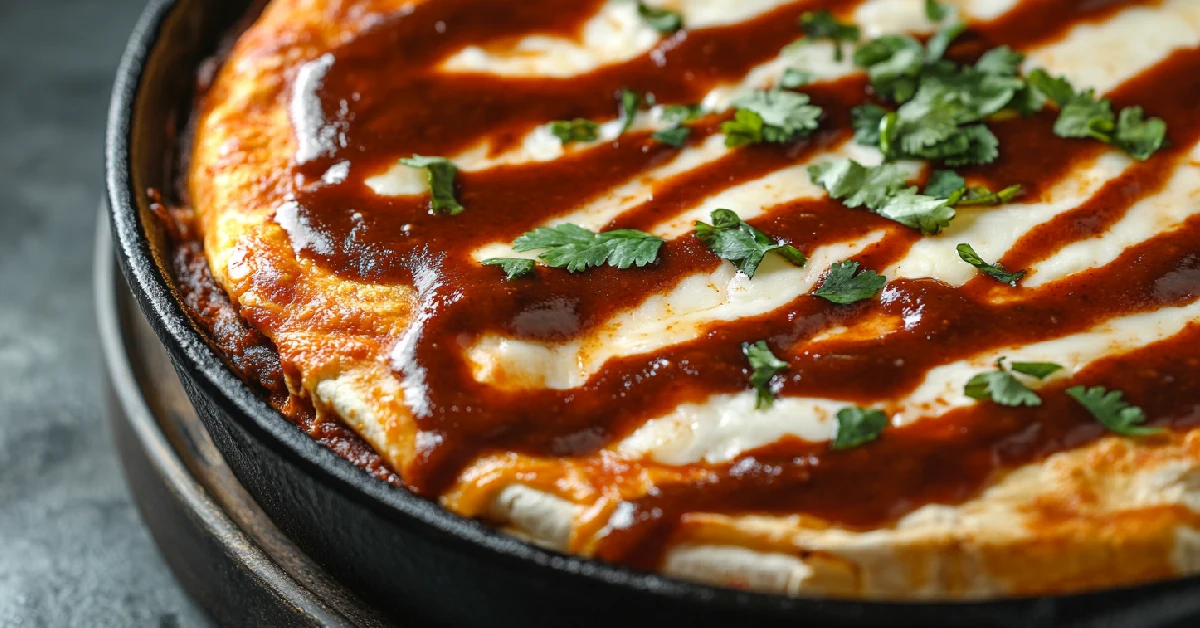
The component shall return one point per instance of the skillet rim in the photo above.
(157, 299)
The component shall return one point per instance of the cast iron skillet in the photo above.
(415, 560)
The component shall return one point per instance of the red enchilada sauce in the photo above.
(392, 102)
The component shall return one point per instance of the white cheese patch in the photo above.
(1102, 56)
(1157, 213)
(613, 35)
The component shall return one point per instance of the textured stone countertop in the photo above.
(75, 552)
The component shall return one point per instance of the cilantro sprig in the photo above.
(883, 190)
(935, 11)
(629, 103)
(1004, 388)
(513, 267)
(733, 239)
(770, 116)
(577, 249)
(823, 24)
(664, 21)
(842, 284)
(942, 104)
(577, 130)
(1112, 411)
(441, 172)
(857, 426)
(764, 366)
(1083, 115)
(995, 271)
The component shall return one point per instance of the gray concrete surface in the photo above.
(72, 549)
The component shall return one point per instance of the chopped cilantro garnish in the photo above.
(578, 249)
(674, 114)
(842, 285)
(1138, 137)
(1002, 387)
(995, 271)
(513, 266)
(935, 11)
(823, 25)
(772, 116)
(661, 20)
(1112, 411)
(944, 183)
(1055, 89)
(882, 189)
(937, 45)
(948, 184)
(866, 120)
(1040, 370)
(1002, 61)
(577, 130)
(733, 239)
(673, 136)
(942, 103)
(793, 78)
(629, 106)
(764, 366)
(441, 173)
(1082, 114)
(856, 426)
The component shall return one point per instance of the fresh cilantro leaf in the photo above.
(578, 249)
(763, 368)
(857, 185)
(662, 20)
(823, 25)
(577, 130)
(793, 78)
(513, 266)
(882, 189)
(923, 213)
(842, 285)
(936, 48)
(675, 114)
(944, 183)
(1112, 411)
(746, 127)
(931, 124)
(981, 195)
(674, 136)
(866, 119)
(1001, 387)
(769, 117)
(1138, 137)
(856, 426)
(1085, 116)
(893, 64)
(1055, 89)
(733, 239)
(629, 106)
(1001, 61)
(935, 11)
(981, 146)
(441, 173)
(995, 271)
(1040, 370)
